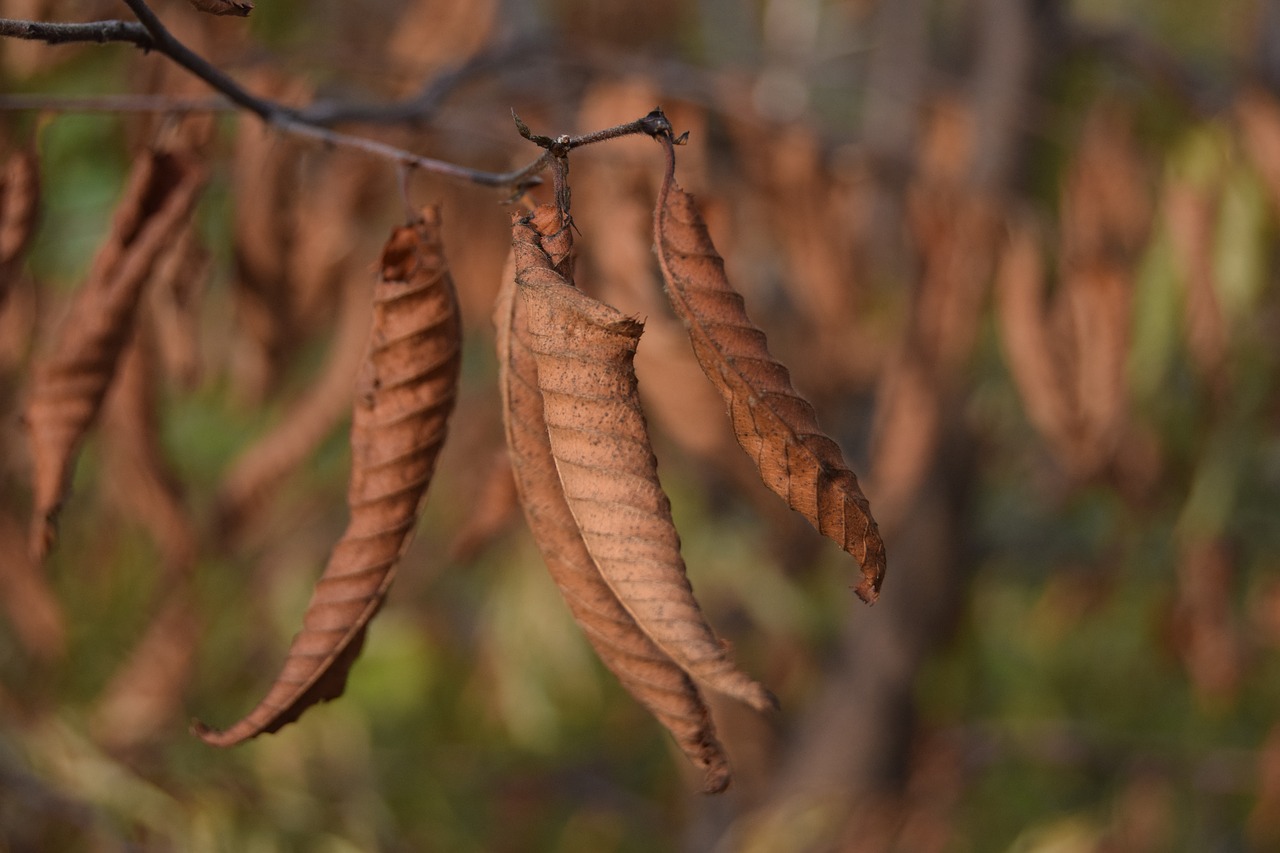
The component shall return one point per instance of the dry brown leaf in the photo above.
(903, 437)
(1033, 360)
(239, 8)
(270, 460)
(584, 351)
(139, 478)
(1258, 115)
(71, 381)
(404, 396)
(644, 669)
(1192, 217)
(1097, 306)
(492, 510)
(145, 694)
(19, 208)
(265, 189)
(28, 598)
(774, 424)
(173, 301)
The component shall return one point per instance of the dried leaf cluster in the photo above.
(584, 468)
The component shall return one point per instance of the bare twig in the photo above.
(100, 32)
(150, 34)
(114, 103)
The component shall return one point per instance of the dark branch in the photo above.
(150, 34)
(99, 32)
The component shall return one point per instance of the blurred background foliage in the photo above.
(1019, 253)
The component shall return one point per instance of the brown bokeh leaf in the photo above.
(646, 671)
(775, 425)
(239, 8)
(71, 381)
(404, 396)
(584, 351)
(19, 209)
(267, 462)
(29, 600)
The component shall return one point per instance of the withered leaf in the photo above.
(644, 670)
(775, 425)
(404, 396)
(268, 461)
(239, 8)
(584, 354)
(70, 383)
(19, 208)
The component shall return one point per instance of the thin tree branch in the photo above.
(151, 34)
(100, 32)
(115, 104)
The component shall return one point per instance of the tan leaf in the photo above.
(492, 510)
(71, 381)
(584, 351)
(19, 208)
(1038, 371)
(239, 8)
(29, 600)
(774, 424)
(404, 396)
(267, 462)
(646, 672)
(144, 696)
(138, 477)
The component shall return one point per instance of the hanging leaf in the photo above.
(19, 209)
(70, 383)
(644, 670)
(239, 8)
(584, 351)
(266, 463)
(775, 425)
(404, 396)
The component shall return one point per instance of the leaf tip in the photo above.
(212, 736)
(717, 778)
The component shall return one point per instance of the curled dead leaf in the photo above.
(71, 381)
(644, 669)
(239, 8)
(404, 396)
(776, 427)
(584, 353)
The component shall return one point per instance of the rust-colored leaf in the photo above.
(584, 351)
(644, 669)
(239, 8)
(144, 696)
(173, 301)
(1192, 215)
(1037, 368)
(29, 600)
(139, 478)
(404, 396)
(19, 208)
(70, 383)
(492, 510)
(774, 424)
(269, 461)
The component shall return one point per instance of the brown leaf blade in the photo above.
(776, 427)
(644, 670)
(405, 394)
(19, 211)
(584, 353)
(70, 383)
(239, 8)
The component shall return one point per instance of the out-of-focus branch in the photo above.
(150, 34)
